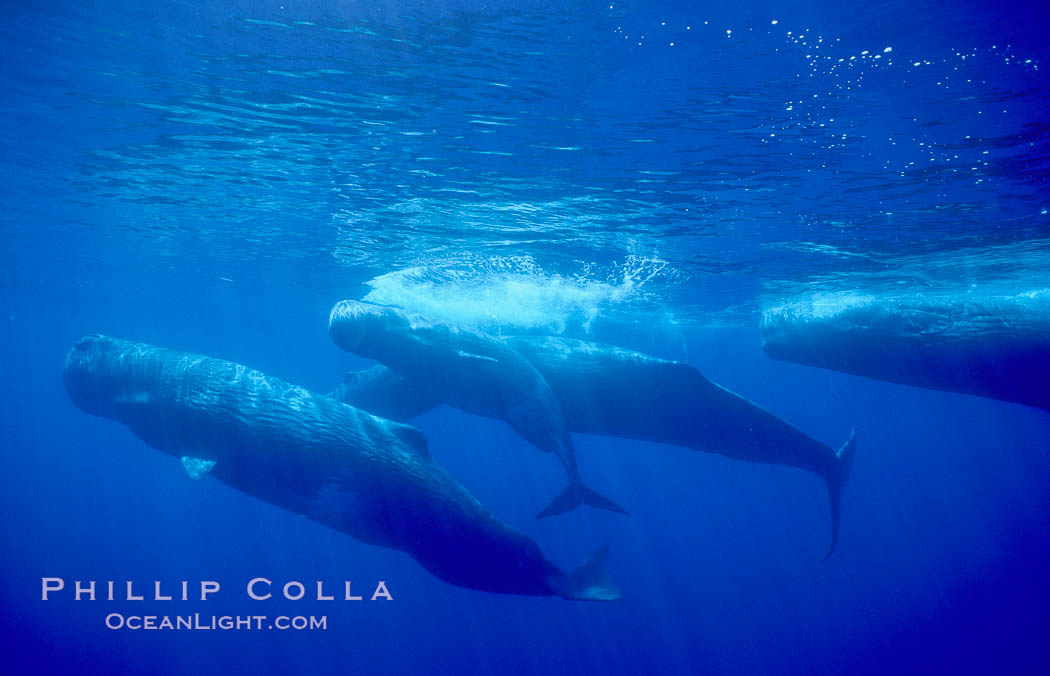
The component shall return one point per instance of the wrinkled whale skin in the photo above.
(988, 346)
(342, 467)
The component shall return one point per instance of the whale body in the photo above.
(990, 346)
(474, 372)
(617, 392)
(359, 474)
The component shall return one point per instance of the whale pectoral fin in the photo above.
(478, 357)
(196, 467)
(414, 439)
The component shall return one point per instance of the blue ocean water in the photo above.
(212, 177)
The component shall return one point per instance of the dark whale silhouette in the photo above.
(474, 372)
(990, 346)
(611, 391)
(351, 471)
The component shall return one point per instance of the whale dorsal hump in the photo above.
(414, 440)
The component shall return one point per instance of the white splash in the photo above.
(515, 293)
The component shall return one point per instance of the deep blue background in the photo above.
(197, 177)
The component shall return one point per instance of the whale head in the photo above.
(350, 320)
(99, 374)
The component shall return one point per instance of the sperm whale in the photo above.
(370, 478)
(475, 373)
(612, 391)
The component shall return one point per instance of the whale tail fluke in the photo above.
(587, 582)
(835, 483)
(576, 494)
